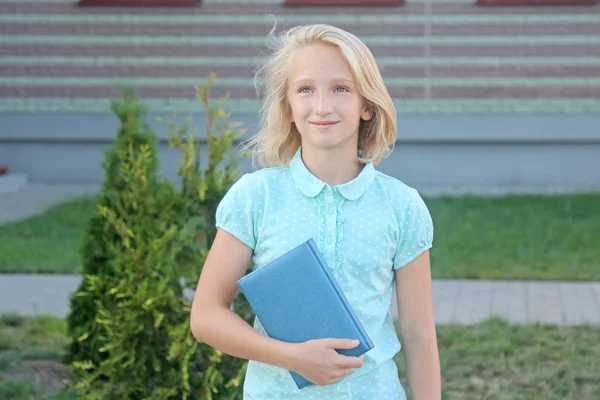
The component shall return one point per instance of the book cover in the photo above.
(296, 299)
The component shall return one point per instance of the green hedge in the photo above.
(147, 242)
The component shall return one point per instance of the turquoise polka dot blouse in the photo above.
(365, 229)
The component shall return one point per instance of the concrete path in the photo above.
(461, 302)
(36, 198)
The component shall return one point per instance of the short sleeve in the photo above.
(416, 231)
(235, 213)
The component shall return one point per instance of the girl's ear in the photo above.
(367, 113)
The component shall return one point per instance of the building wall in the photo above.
(444, 153)
(488, 98)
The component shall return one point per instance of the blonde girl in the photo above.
(327, 121)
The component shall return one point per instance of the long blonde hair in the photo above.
(278, 139)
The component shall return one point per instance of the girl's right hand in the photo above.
(319, 362)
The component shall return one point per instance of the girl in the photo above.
(327, 120)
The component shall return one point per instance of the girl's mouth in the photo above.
(323, 125)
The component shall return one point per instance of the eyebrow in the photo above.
(308, 80)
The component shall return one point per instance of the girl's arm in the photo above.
(213, 322)
(417, 328)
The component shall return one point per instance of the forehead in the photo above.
(319, 62)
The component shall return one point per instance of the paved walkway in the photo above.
(462, 302)
(35, 198)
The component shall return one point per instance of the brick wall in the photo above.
(442, 57)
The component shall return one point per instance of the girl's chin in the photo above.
(324, 143)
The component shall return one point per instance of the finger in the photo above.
(341, 374)
(341, 343)
(333, 380)
(350, 362)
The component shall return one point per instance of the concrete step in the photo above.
(12, 182)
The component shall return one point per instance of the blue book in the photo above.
(297, 299)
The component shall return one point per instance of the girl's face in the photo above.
(326, 105)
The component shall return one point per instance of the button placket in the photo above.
(339, 238)
(330, 226)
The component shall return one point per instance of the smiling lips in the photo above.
(324, 124)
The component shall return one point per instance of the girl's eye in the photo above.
(307, 89)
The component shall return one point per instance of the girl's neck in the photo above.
(334, 167)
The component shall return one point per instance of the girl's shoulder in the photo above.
(262, 181)
(415, 224)
(268, 174)
(395, 190)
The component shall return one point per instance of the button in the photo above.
(332, 210)
(330, 240)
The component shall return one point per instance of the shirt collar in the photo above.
(311, 186)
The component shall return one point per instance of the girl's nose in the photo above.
(324, 105)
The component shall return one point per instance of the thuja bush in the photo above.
(144, 247)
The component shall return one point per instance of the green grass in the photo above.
(497, 361)
(24, 339)
(513, 237)
(48, 242)
(16, 389)
(39, 338)
(517, 237)
(491, 360)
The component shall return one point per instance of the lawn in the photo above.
(491, 360)
(497, 361)
(31, 352)
(513, 237)
(49, 242)
(517, 237)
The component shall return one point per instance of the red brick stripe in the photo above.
(205, 9)
(515, 51)
(201, 71)
(107, 71)
(511, 71)
(40, 50)
(179, 92)
(474, 9)
(120, 29)
(117, 50)
(515, 92)
(262, 9)
(408, 92)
